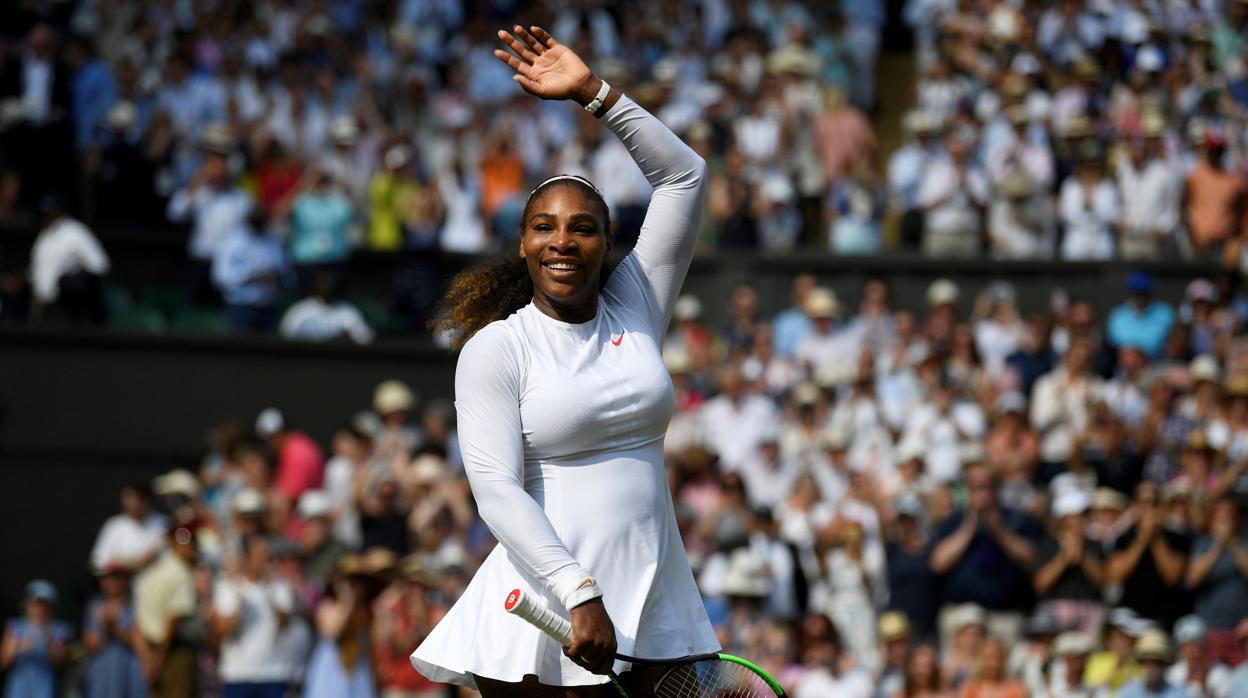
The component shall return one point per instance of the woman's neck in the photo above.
(570, 314)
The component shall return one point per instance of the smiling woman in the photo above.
(563, 401)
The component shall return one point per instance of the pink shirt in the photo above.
(300, 466)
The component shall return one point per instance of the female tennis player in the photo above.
(563, 401)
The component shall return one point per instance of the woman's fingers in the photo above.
(521, 48)
(510, 59)
(543, 36)
(534, 45)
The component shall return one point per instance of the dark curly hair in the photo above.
(498, 287)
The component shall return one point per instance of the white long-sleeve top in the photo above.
(1088, 216)
(63, 248)
(561, 429)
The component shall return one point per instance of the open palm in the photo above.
(544, 67)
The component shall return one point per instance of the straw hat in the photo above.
(893, 625)
(821, 303)
(1153, 644)
(393, 396)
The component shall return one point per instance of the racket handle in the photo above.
(537, 613)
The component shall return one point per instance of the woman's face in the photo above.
(923, 665)
(564, 242)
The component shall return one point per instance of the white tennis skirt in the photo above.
(648, 590)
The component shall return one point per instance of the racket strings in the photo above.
(712, 678)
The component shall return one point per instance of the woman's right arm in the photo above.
(488, 382)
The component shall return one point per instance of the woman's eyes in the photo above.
(582, 230)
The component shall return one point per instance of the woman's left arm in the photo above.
(547, 69)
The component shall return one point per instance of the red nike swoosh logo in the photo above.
(619, 339)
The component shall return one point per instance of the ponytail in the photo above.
(489, 291)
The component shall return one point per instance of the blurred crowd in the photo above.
(288, 136)
(876, 503)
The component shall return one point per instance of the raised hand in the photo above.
(546, 68)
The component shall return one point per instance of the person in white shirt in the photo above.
(828, 677)
(322, 318)
(131, 538)
(1088, 207)
(829, 351)
(250, 613)
(1124, 394)
(768, 475)
(734, 422)
(214, 205)
(952, 195)
(905, 175)
(1060, 401)
(66, 265)
(1151, 193)
(945, 424)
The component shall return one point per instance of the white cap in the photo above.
(966, 614)
(747, 575)
(392, 396)
(1071, 644)
(1205, 368)
(248, 502)
(1070, 501)
(821, 303)
(942, 291)
(176, 482)
(687, 308)
(343, 130)
(314, 504)
(269, 422)
(427, 468)
(1013, 401)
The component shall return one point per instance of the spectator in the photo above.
(952, 194)
(165, 601)
(905, 175)
(35, 86)
(403, 615)
(214, 205)
(1065, 676)
(791, 326)
(1035, 356)
(1142, 321)
(34, 645)
(321, 317)
(894, 634)
(67, 267)
(990, 678)
(911, 586)
(1115, 666)
(319, 551)
(300, 461)
(131, 538)
(1148, 560)
(113, 667)
(251, 610)
(321, 226)
(1153, 652)
(735, 421)
(960, 649)
(1059, 407)
(1089, 208)
(1218, 576)
(340, 666)
(1193, 669)
(1150, 197)
(1071, 568)
(822, 652)
(982, 556)
(1214, 199)
(249, 269)
(923, 678)
(397, 438)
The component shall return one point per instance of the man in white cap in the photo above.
(1194, 670)
(734, 422)
(952, 195)
(1071, 567)
(828, 347)
(1066, 673)
(300, 461)
(318, 548)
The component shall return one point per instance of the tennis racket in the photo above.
(714, 675)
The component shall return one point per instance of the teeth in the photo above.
(561, 266)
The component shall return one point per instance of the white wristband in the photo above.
(601, 97)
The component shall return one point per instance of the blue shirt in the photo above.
(239, 263)
(321, 226)
(93, 94)
(1145, 330)
(1136, 689)
(790, 329)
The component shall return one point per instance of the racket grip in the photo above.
(537, 613)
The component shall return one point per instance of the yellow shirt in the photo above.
(1103, 669)
(163, 591)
